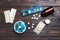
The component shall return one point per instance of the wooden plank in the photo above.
(13, 3)
(47, 31)
(29, 38)
(50, 32)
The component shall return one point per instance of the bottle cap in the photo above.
(47, 21)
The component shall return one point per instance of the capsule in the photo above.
(47, 11)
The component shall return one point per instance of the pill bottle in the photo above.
(47, 11)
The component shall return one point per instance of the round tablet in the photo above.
(28, 22)
(32, 26)
(47, 21)
(32, 23)
(28, 27)
(36, 14)
(33, 15)
(36, 18)
(39, 16)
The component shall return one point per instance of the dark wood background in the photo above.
(50, 32)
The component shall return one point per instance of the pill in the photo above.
(28, 27)
(36, 14)
(39, 16)
(28, 22)
(32, 26)
(32, 23)
(36, 18)
(33, 15)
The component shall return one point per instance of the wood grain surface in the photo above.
(50, 32)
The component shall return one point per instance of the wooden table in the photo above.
(50, 32)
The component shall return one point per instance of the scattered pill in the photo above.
(36, 18)
(33, 15)
(28, 22)
(32, 26)
(28, 27)
(36, 14)
(32, 23)
(39, 16)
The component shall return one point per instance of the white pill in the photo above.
(39, 16)
(36, 14)
(28, 27)
(36, 18)
(32, 23)
(33, 15)
(28, 22)
(32, 26)
(47, 21)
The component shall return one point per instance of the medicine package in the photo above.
(10, 15)
(39, 27)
